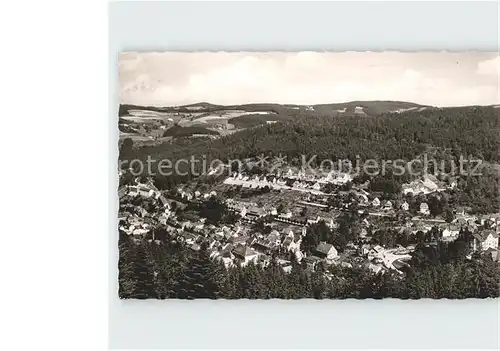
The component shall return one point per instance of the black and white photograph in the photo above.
(308, 175)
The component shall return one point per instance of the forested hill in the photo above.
(445, 134)
(467, 130)
(463, 131)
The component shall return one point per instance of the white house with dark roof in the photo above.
(387, 206)
(325, 250)
(292, 243)
(485, 240)
(316, 186)
(451, 231)
(424, 209)
(244, 254)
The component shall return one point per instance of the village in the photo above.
(269, 217)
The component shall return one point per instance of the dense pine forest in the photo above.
(467, 131)
(148, 270)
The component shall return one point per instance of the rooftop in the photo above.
(243, 251)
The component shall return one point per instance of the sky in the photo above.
(226, 78)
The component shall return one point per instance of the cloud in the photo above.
(489, 66)
(307, 78)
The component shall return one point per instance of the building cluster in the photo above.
(429, 184)
(291, 180)
(282, 236)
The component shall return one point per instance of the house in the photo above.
(274, 238)
(143, 212)
(345, 264)
(145, 191)
(256, 212)
(288, 232)
(419, 227)
(244, 254)
(189, 238)
(263, 246)
(287, 267)
(123, 216)
(299, 255)
(405, 206)
(340, 178)
(313, 220)
(471, 227)
(363, 198)
(325, 250)
(451, 231)
(376, 202)
(227, 261)
(186, 196)
(235, 240)
(152, 186)
(164, 202)
(484, 240)
(364, 249)
(215, 255)
(122, 191)
(163, 218)
(243, 212)
(133, 190)
(311, 262)
(424, 209)
(211, 243)
(292, 243)
(363, 233)
(387, 206)
(303, 232)
(494, 254)
(287, 243)
(250, 241)
(425, 186)
(263, 260)
(227, 250)
(199, 226)
(195, 247)
(375, 252)
(140, 231)
(330, 223)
